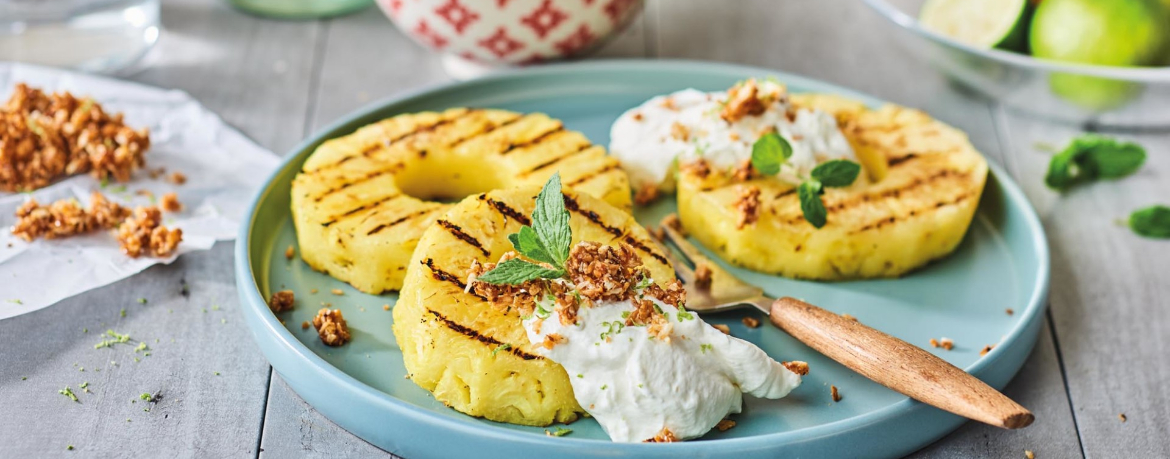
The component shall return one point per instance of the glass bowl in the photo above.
(1124, 97)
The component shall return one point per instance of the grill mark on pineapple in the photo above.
(351, 212)
(476, 335)
(456, 231)
(535, 140)
(891, 193)
(574, 206)
(913, 212)
(901, 159)
(441, 275)
(629, 239)
(506, 211)
(400, 220)
(482, 132)
(592, 175)
(345, 185)
(580, 148)
(417, 130)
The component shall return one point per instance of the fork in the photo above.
(882, 358)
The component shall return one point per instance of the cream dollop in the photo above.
(636, 384)
(687, 125)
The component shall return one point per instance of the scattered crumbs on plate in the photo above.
(725, 425)
(945, 343)
(313, 291)
(305, 325)
(751, 322)
(362, 308)
(290, 252)
(385, 307)
(986, 349)
(835, 393)
(1009, 311)
(337, 291)
(1029, 454)
(1122, 417)
(723, 328)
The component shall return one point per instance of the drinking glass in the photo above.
(101, 36)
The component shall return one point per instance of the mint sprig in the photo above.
(1153, 222)
(546, 241)
(771, 151)
(1091, 157)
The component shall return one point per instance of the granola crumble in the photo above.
(603, 272)
(835, 394)
(1028, 454)
(337, 292)
(553, 339)
(66, 218)
(986, 349)
(699, 167)
(289, 252)
(664, 436)
(281, 301)
(143, 233)
(331, 327)
(305, 325)
(748, 206)
(796, 366)
(751, 322)
(947, 343)
(46, 137)
(680, 132)
(742, 100)
(744, 171)
(1122, 417)
(646, 194)
(723, 328)
(703, 276)
(170, 203)
(178, 178)
(725, 425)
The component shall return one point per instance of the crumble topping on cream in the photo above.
(718, 130)
(645, 367)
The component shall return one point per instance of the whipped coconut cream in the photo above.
(636, 383)
(687, 125)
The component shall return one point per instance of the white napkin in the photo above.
(223, 169)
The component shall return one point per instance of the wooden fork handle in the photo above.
(897, 364)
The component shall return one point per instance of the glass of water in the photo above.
(101, 36)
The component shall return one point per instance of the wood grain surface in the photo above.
(1102, 352)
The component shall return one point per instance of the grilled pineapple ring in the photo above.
(470, 355)
(925, 182)
(362, 201)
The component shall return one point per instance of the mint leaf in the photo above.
(516, 271)
(1153, 221)
(836, 173)
(1091, 157)
(810, 202)
(550, 220)
(769, 152)
(528, 244)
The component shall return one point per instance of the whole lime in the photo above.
(1103, 32)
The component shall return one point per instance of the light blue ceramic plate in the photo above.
(1002, 263)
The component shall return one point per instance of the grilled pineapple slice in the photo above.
(925, 180)
(470, 355)
(362, 201)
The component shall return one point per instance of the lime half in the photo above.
(979, 23)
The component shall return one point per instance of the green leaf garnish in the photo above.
(1090, 157)
(836, 173)
(517, 271)
(810, 202)
(769, 152)
(68, 393)
(684, 314)
(502, 347)
(1153, 221)
(550, 219)
(546, 241)
(559, 432)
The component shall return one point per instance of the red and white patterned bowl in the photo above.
(513, 32)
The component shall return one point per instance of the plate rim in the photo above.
(254, 306)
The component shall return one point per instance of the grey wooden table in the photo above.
(1104, 349)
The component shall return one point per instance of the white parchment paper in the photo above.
(223, 169)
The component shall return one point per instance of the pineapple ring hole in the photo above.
(447, 178)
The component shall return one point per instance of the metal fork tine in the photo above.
(688, 249)
(681, 269)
